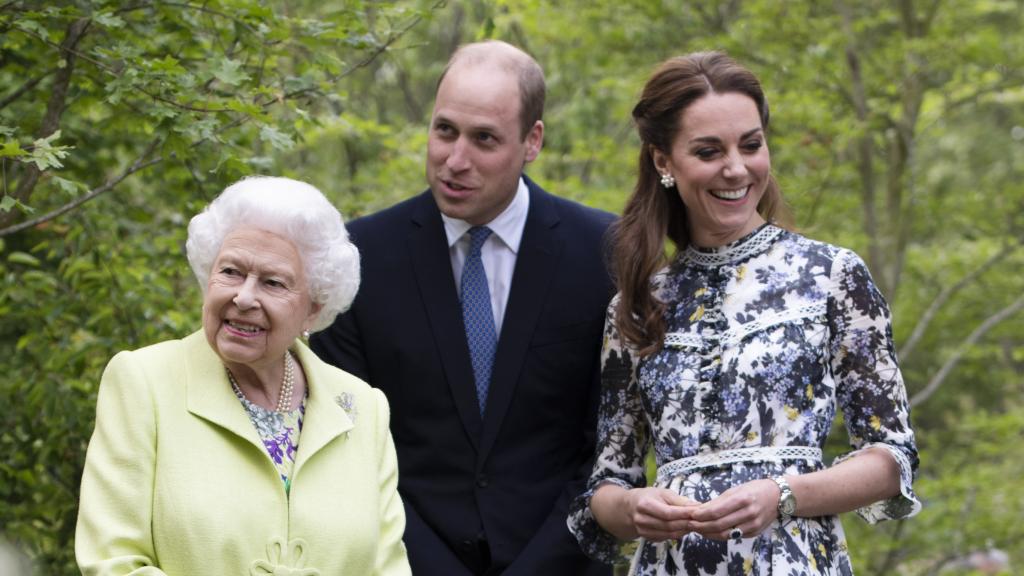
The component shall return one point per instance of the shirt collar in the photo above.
(508, 226)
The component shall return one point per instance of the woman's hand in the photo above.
(751, 507)
(870, 476)
(653, 513)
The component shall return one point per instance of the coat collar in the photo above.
(209, 396)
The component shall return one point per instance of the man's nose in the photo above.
(458, 156)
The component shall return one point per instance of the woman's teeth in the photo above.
(247, 328)
(730, 194)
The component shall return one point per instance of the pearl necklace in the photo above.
(284, 400)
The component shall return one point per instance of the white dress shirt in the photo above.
(498, 252)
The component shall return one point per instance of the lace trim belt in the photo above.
(733, 336)
(684, 466)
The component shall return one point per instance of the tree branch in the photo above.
(989, 323)
(54, 110)
(140, 164)
(187, 6)
(67, 50)
(929, 17)
(944, 296)
(30, 84)
(865, 152)
(68, 53)
(892, 555)
(391, 39)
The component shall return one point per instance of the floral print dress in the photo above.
(766, 337)
(279, 432)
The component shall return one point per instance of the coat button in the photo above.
(481, 481)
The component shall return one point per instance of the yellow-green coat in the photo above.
(177, 481)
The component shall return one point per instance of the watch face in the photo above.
(788, 505)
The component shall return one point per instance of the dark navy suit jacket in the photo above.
(483, 495)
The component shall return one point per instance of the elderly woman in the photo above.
(732, 359)
(236, 450)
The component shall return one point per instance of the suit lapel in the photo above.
(432, 269)
(539, 254)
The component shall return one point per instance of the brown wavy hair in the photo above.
(654, 212)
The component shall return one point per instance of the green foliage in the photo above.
(972, 503)
(160, 106)
(142, 112)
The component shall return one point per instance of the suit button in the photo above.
(466, 545)
(481, 481)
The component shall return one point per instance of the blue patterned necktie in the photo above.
(477, 316)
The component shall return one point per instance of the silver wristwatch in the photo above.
(787, 500)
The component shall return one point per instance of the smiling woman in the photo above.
(720, 163)
(223, 452)
(732, 359)
(257, 302)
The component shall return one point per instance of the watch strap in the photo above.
(787, 501)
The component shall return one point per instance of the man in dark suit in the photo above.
(480, 317)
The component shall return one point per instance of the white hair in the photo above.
(293, 210)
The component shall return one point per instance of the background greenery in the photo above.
(898, 130)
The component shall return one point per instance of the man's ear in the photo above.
(534, 141)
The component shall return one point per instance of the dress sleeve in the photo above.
(114, 531)
(391, 553)
(622, 441)
(870, 387)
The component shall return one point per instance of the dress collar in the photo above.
(746, 247)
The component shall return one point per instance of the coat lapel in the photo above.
(539, 254)
(326, 418)
(209, 393)
(210, 397)
(432, 269)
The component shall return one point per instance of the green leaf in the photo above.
(168, 65)
(109, 20)
(33, 27)
(175, 144)
(276, 138)
(230, 72)
(9, 202)
(69, 187)
(45, 155)
(11, 148)
(159, 111)
(23, 258)
(249, 109)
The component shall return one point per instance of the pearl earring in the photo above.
(667, 180)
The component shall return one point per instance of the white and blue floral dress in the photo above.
(766, 337)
